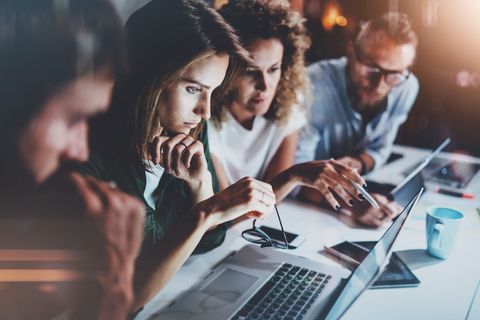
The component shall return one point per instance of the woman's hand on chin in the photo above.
(181, 156)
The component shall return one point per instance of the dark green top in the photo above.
(173, 201)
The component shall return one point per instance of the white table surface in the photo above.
(447, 287)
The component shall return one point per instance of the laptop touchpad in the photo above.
(229, 285)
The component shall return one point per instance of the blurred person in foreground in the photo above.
(68, 243)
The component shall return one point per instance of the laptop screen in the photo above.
(371, 266)
(418, 168)
(403, 195)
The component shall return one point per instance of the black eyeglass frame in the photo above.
(258, 236)
(385, 73)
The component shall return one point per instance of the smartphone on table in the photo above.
(348, 252)
(293, 239)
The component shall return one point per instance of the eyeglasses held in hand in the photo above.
(258, 236)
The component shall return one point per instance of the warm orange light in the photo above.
(341, 21)
(329, 17)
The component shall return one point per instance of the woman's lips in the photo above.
(191, 124)
(258, 99)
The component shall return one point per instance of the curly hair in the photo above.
(267, 19)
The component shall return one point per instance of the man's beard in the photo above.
(371, 105)
(364, 106)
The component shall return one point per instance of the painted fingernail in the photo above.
(361, 196)
(338, 208)
(352, 203)
(365, 186)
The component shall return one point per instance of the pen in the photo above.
(366, 195)
(455, 194)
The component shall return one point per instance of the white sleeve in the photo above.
(307, 144)
(296, 121)
(214, 140)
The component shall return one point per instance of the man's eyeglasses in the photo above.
(374, 72)
(258, 236)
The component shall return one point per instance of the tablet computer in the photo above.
(408, 187)
(396, 274)
(451, 173)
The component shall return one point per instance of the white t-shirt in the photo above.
(152, 180)
(245, 152)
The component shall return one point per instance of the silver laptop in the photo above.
(264, 283)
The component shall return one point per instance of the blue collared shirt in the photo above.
(335, 129)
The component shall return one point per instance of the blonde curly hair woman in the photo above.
(254, 127)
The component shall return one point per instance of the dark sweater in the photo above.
(173, 201)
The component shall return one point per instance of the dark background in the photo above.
(447, 65)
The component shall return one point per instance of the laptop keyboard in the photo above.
(288, 294)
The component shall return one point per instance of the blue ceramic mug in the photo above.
(442, 228)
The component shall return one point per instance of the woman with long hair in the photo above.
(153, 143)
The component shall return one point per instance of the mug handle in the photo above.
(436, 238)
